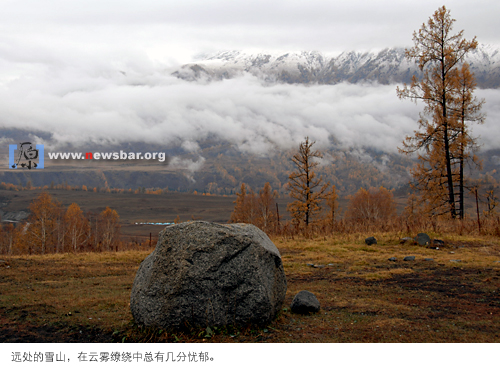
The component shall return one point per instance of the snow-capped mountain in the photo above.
(386, 66)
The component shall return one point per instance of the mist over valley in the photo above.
(230, 118)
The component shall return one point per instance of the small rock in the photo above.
(422, 239)
(455, 261)
(331, 265)
(371, 240)
(452, 252)
(406, 240)
(438, 242)
(318, 266)
(392, 259)
(310, 265)
(305, 302)
(409, 258)
(428, 259)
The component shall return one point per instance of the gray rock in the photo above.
(208, 274)
(371, 240)
(423, 239)
(318, 266)
(392, 259)
(428, 259)
(305, 302)
(409, 258)
(455, 261)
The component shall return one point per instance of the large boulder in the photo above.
(208, 274)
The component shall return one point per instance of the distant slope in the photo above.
(225, 168)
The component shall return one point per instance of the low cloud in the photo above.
(187, 166)
(142, 103)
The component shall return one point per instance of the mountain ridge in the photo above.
(387, 66)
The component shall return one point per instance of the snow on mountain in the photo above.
(385, 66)
(485, 63)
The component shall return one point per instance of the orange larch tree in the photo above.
(266, 217)
(439, 54)
(43, 223)
(109, 225)
(467, 109)
(306, 188)
(7, 239)
(242, 206)
(371, 205)
(333, 204)
(255, 209)
(76, 227)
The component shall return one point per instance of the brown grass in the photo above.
(364, 297)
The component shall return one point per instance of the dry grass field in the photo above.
(364, 297)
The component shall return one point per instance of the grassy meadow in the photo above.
(364, 297)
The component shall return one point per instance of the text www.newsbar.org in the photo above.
(121, 155)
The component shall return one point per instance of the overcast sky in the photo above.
(60, 63)
(167, 29)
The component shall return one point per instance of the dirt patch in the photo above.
(60, 333)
